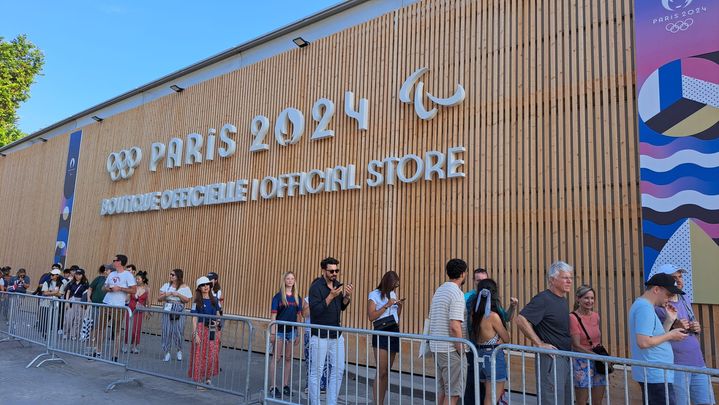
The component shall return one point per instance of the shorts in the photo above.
(388, 343)
(452, 372)
(288, 335)
(584, 370)
(485, 366)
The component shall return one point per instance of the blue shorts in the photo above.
(289, 335)
(485, 367)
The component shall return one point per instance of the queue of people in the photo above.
(662, 328)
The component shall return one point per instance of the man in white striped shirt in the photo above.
(446, 318)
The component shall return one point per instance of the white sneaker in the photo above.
(167, 356)
(179, 356)
(135, 350)
(124, 349)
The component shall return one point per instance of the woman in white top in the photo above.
(383, 310)
(50, 289)
(174, 294)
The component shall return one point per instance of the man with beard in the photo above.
(328, 298)
(446, 318)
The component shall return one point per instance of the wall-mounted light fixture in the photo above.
(43, 139)
(300, 42)
(176, 88)
(2, 154)
(96, 118)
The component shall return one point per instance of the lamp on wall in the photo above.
(2, 154)
(176, 88)
(300, 42)
(43, 139)
(96, 118)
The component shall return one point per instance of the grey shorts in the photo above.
(452, 372)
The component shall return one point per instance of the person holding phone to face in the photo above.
(328, 298)
(383, 310)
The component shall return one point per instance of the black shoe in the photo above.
(286, 391)
(114, 359)
(275, 392)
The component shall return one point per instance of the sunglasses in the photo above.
(172, 274)
(115, 260)
(335, 271)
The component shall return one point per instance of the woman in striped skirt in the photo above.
(174, 294)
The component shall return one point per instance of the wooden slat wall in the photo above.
(31, 183)
(548, 123)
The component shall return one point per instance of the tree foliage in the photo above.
(20, 62)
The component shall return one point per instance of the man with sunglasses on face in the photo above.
(650, 342)
(328, 298)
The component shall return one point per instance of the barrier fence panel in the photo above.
(312, 369)
(5, 316)
(217, 356)
(89, 330)
(616, 387)
(32, 319)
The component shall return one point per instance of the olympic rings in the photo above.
(679, 25)
(122, 164)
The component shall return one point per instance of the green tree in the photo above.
(20, 62)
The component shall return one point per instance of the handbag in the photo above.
(87, 324)
(386, 323)
(601, 367)
(424, 349)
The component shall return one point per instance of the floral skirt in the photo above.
(584, 370)
(205, 356)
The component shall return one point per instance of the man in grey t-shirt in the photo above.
(545, 322)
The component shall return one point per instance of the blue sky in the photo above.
(96, 50)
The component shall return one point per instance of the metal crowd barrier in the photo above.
(4, 316)
(620, 387)
(410, 379)
(220, 357)
(33, 319)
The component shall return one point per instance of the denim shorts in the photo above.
(485, 368)
(699, 388)
(288, 335)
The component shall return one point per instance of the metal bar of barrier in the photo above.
(218, 356)
(618, 362)
(348, 357)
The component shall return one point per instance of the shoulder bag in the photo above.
(601, 367)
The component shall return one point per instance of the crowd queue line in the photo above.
(662, 328)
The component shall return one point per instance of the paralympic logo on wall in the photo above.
(289, 129)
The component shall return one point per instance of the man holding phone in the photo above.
(328, 298)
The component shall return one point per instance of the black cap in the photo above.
(665, 281)
(80, 271)
(212, 275)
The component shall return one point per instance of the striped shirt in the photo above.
(447, 304)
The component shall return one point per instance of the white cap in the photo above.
(669, 269)
(202, 280)
(56, 272)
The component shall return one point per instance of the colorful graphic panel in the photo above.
(677, 59)
(68, 197)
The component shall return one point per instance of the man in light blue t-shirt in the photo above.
(649, 342)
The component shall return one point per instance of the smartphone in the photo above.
(402, 299)
(340, 285)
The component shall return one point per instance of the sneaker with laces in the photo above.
(286, 390)
(179, 356)
(167, 356)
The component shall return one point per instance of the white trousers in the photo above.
(320, 349)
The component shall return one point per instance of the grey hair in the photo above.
(557, 267)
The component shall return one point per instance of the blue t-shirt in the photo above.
(207, 309)
(644, 321)
(286, 313)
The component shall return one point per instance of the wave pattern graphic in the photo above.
(707, 187)
(683, 170)
(685, 197)
(706, 160)
(661, 149)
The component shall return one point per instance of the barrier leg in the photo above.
(126, 379)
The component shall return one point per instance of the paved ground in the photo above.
(83, 381)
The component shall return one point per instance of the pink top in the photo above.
(591, 324)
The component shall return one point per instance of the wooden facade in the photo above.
(551, 166)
